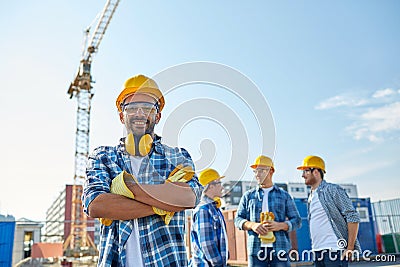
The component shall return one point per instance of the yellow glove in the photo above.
(118, 186)
(179, 174)
(105, 221)
(166, 215)
(266, 217)
(217, 200)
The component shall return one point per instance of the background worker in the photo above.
(333, 219)
(126, 184)
(267, 197)
(208, 233)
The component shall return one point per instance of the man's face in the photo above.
(263, 174)
(309, 177)
(216, 188)
(139, 114)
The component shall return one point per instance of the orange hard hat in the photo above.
(312, 162)
(209, 175)
(263, 161)
(142, 85)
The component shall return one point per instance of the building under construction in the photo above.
(59, 216)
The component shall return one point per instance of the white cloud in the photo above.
(377, 121)
(341, 100)
(384, 93)
(374, 117)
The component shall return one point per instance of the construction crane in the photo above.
(79, 243)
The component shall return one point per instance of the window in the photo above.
(28, 242)
(236, 200)
(298, 189)
(237, 189)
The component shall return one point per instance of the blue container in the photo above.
(303, 234)
(366, 228)
(7, 229)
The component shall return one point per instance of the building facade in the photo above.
(235, 189)
(58, 218)
(27, 233)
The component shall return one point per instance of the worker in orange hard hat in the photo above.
(268, 214)
(333, 219)
(208, 235)
(132, 187)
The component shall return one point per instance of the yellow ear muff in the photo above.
(130, 144)
(143, 145)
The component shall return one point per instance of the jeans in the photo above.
(329, 258)
(268, 257)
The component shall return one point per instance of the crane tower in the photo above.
(81, 88)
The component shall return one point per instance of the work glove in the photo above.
(118, 186)
(266, 217)
(217, 201)
(166, 215)
(179, 174)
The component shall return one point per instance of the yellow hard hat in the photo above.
(143, 85)
(263, 161)
(312, 162)
(208, 175)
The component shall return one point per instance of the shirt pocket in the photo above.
(279, 209)
(253, 211)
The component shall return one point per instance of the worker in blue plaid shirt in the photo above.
(208, 233)
(267, 197)
(142, 215)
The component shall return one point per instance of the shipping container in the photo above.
(302, 235)
(366, 228)
(7, 229)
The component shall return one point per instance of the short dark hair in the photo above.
(322, 173)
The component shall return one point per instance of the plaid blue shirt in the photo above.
(280, 203)
(207, 236)
(338, 208)
(160, 244)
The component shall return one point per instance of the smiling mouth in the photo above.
(140, 123)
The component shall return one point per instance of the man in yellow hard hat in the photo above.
(142, 215)
(265, 249)
(332, 217)
(208, 233)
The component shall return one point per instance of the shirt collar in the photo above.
(322, 185)
(260, 191)
(205, 200)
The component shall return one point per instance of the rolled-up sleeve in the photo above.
(343, 202)
(98, 178)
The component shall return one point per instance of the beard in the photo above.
(150, 125)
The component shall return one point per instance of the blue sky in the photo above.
(328, 71)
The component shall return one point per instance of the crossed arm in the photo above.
(168, 196)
